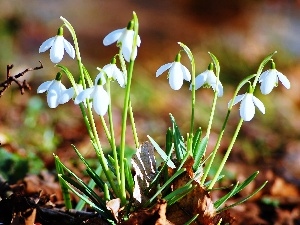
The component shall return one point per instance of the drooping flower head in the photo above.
(269, 80)
(125, 39)
(112, 72)
(177, 73)
(208, 79)
(57, 46)
(55, 91)
(98, 95)
(248, 103)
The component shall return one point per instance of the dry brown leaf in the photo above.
(144, 164)
(114, 206)
(153, 216)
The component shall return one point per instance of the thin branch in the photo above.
(10, 79)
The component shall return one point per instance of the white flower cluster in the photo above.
(268, 79)
(57, 93)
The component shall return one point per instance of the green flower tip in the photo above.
(178, 57)
(130, 25)
(58, 76)
(60, 31)
(113, 60)
(250, 89)
(210, 66)
(273, 65)
(100, 82)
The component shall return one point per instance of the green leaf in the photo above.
(244, 199)
(91, 184)
(128, 178)
(199, 152)
(162, 154)
(179, 193)
(196, 139)
(102, 212)
(89, 170)
(179, 145)
(237, 188)
(175, 175)
(206, 184)
(64, 188)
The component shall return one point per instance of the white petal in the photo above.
(100, 100)
(83, 95)
(101, 76)
(200, 80)
(69, 49)
(268, 81)
(117, 75)
(138, 41)
(259, 104)
(237, 99)
(46, 44)
(176, 76)
(163, 68)
(57, 50)
(211, 79)
(247, 108)
(220, 89)
(186, 73)
(52, 98)
(66, 95)
(44, 86)
(284, 80)
(127, 42)
(113, 36)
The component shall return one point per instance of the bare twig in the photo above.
(10, 79)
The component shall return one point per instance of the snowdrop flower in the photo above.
(112, 71)
(269, 80)
(57, 46)
(177, 73)
(208, 79)
(99, 96)
(55, 90)
(247, 107)
(124, 38)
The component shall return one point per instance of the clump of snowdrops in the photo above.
(150, 183)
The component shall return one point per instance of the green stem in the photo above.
(226, 154)
(125, 113)
(214, 152)
(112, 139)
(193, 98)
(136, 139)
(94, 137)
(100, 153)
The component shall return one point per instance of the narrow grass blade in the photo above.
(179, 193)
(199, 152)
(244, 199)
(164, 186)
(129, 178)
(64, 188)
(196, 139)
(161, 152)
(102, 212)
(179, 145)
(237, 188)
(91, 184)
